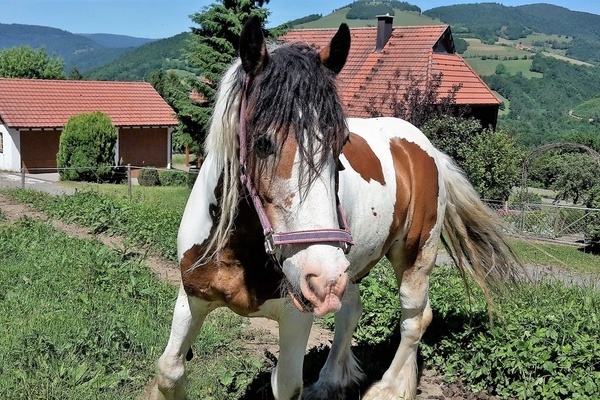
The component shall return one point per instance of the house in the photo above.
(33, 113)
(382, 58)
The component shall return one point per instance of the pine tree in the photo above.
(213, 47)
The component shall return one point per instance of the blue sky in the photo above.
(165, 18)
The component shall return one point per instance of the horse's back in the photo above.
(393, 186)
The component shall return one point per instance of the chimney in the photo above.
(384, 31)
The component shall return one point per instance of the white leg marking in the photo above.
(400, 380)
(188, 316)
(294, 329)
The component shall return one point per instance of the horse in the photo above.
(295, 203)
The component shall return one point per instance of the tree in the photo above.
(576, 174)
(25, 62)
(414, 98)
(213, 47)
(492, 164)
(176, 92)
(490, 159)
(592, 230)
(86, 149)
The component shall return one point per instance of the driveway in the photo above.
(48, 183)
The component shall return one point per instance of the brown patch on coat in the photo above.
(415, 210)
(363, 160)
(241, 276)
(417, 192)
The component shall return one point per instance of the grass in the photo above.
(333, 20)
(80, 322)
(84, 321)
(550, 254)
(536, 37)
(588, 109)
(169, 197)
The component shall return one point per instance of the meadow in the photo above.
(81, 320)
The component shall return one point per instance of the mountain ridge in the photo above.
(84, 51)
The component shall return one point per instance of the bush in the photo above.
(191, 176)
(148, 177)
(592, 228)
(87, 148)
(173, 177)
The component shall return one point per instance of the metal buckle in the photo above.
(269, 244)
(346, 247)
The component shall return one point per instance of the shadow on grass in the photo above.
(374, 359)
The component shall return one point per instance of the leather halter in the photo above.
(276, 239)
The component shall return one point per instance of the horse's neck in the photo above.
(197, 223)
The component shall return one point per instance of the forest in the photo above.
(490, 21)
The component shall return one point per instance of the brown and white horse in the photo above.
(328, 197)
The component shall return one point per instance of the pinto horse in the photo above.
(294, 204)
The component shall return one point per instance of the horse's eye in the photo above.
(263, 146)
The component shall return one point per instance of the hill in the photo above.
(135, 65)
(490, 22)
(116, 41)
(588, 110)
(362, 13)
(83, 51)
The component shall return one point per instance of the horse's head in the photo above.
(294, 129)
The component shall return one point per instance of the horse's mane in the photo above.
(296, 94)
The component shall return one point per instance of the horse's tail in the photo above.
(477, 243)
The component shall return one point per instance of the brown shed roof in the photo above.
(38, 103)
(418, 50)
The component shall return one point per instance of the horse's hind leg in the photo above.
(188, 315)
(400, 380)
(341, 372)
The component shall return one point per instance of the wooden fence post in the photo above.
(129, 180)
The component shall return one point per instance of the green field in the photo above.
(536, 37)
(333, 20)
(81, 320)
(588, 109)
(488, 66)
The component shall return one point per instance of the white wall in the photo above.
(10, 158)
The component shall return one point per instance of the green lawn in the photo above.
(488, 66)
(80, 320)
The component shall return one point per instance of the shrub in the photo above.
(87, 148)
(592, 228)
(173, 177)
(191, 176)
(148, 177)
(544, 345)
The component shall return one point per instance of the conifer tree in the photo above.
(213, 47)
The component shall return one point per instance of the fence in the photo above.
(44, 179)
(561, 223)
(569, 224)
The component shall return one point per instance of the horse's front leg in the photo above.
(400, 380)
(294, 329)
(341, 374)
(188, 316)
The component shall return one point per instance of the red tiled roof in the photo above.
(38, 103)
(422, 51)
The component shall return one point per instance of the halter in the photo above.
(276, 239)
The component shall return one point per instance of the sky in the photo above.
(165, 18)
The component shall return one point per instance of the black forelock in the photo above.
(296, 93)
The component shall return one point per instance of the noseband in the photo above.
(277, 239)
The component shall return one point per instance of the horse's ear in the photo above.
(334, 55)
(253, 49)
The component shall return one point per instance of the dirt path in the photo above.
(262, 333)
